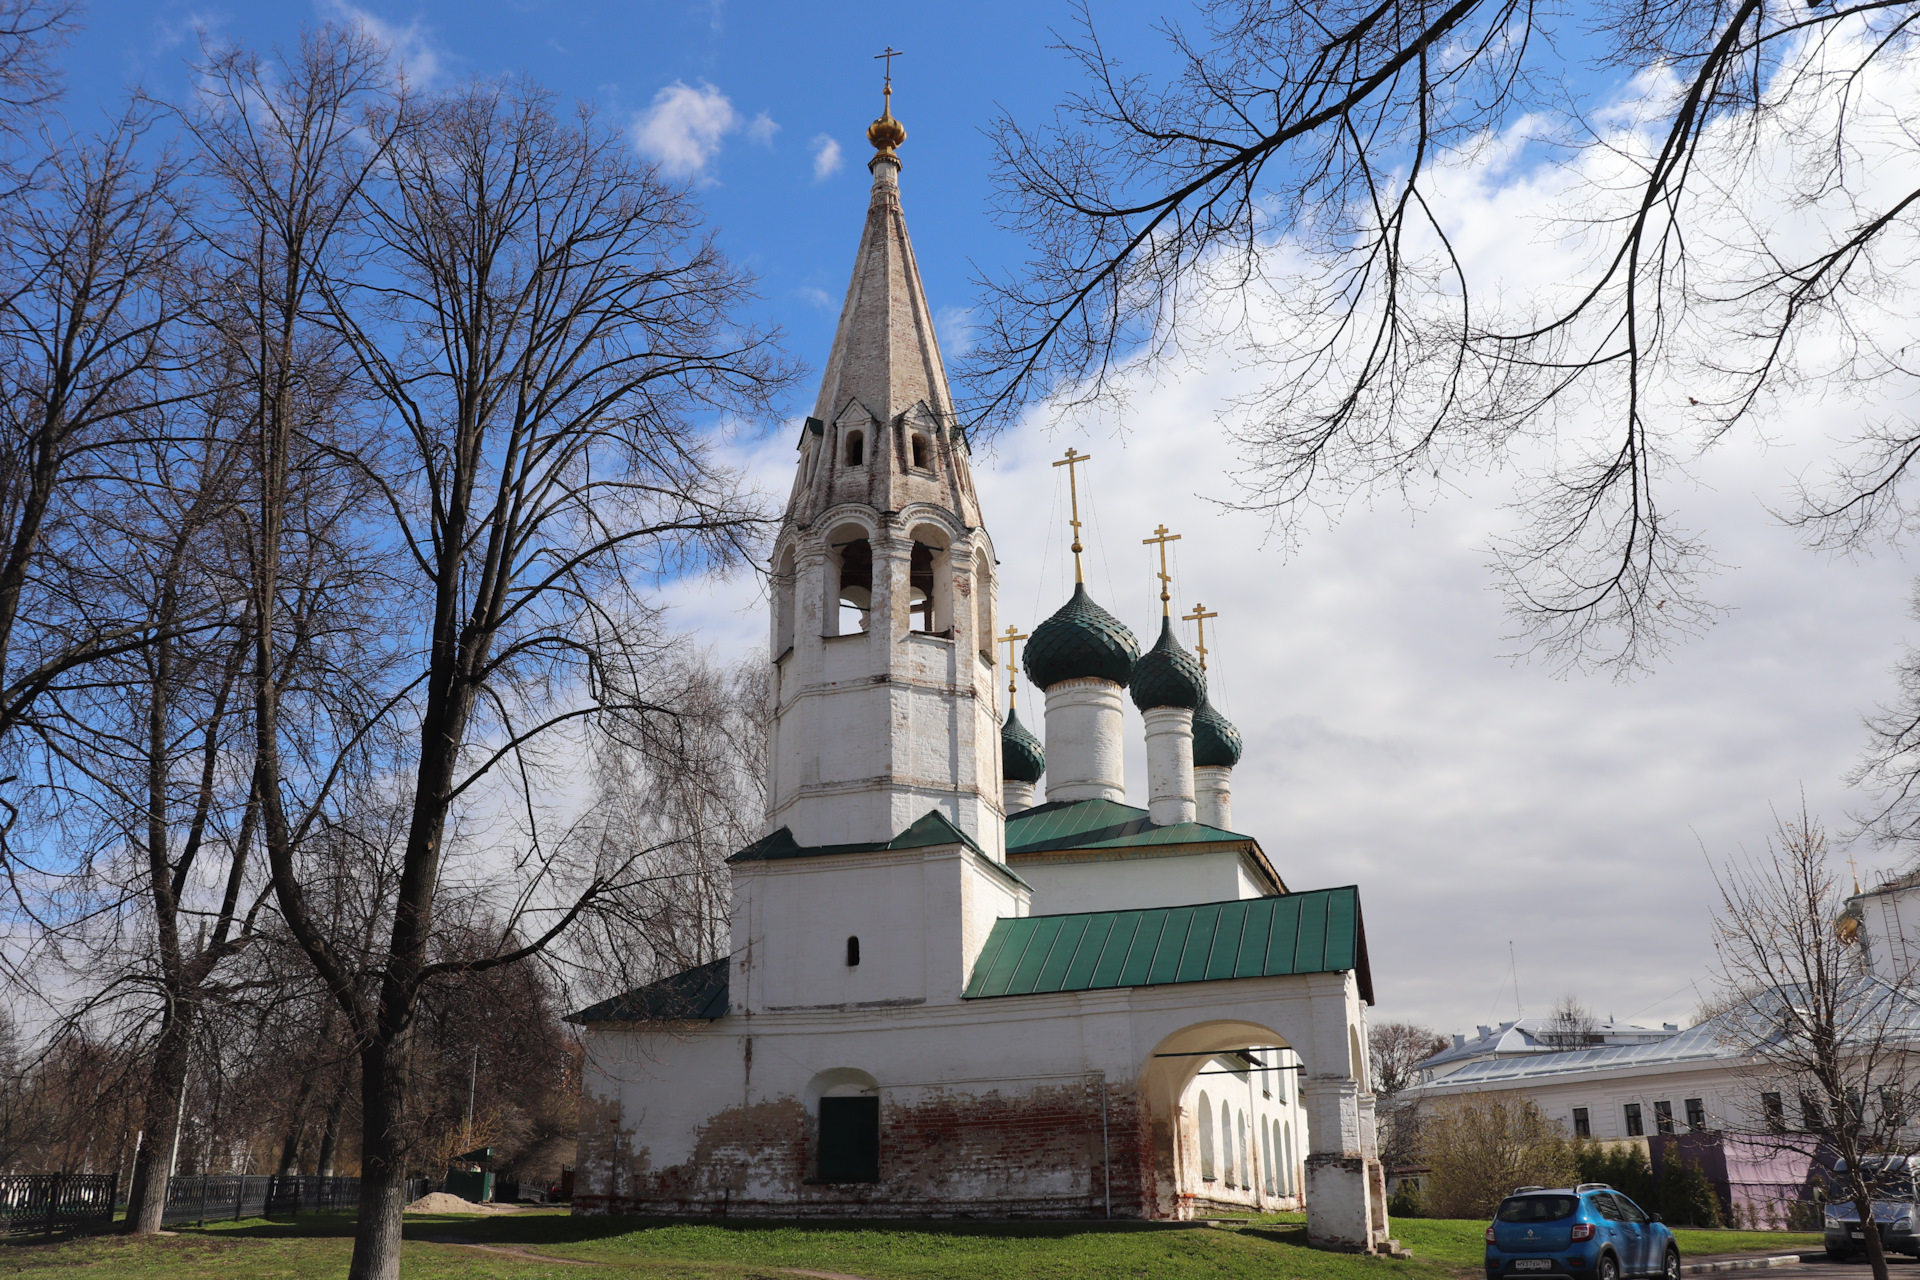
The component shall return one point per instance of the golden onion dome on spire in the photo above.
(886, 133)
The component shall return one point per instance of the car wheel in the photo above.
(1608, 1268)
(1838, 1255)
(1671, 1271)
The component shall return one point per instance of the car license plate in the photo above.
(1857, 1235)
(1533, 1264)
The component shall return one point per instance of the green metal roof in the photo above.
(1102, 824)
(699, 993)
(1315, 932)
(934, 828)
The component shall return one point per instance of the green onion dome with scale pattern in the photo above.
(1215, 741)
(1081, 641)
(1168, 676)
(1022, 759)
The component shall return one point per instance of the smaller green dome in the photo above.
(1021, 756)
(1168, 676)
(1081, 640)
(1215, 741)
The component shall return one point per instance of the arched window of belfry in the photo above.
(930, 583)
(856, 449)
(783, 586)
(1206, 1137)
(983, 631)
(853, 577)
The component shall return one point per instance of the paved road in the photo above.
(1899, 1265)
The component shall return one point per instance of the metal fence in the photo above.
(51, 1202)
(209, 1197)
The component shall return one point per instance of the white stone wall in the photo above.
(1728, 1093)
(1264, 1105)
(1147, 879)
(1084, 741)
(1170, 796)
(1213, 795)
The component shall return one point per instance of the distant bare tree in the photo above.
(1822, 1028)
(1281, 191)
(1395, 1049)
(1571, 1025)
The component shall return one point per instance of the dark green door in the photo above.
(849, 1139)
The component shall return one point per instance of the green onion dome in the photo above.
(1082, 640)
(1168, 676)
(1021, 757)
(1215, 740)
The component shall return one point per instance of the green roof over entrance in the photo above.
(1102, 824)
(1315, 932)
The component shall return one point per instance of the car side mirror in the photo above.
(1656, 1218)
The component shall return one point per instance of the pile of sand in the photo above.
(443, 1202)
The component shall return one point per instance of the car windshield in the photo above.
(1538, 1208)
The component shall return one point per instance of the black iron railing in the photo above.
(52, 1202)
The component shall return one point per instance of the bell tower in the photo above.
(883, 578)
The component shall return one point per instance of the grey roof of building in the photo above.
(1524, 1036)
(698, 994)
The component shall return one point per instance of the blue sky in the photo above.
(1390, 739)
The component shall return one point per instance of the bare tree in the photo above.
(1282, 191)
(1821, 1024)
(1571, 1025)
(1394, 1050)
(544, 325)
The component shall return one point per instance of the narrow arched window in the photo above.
(856, 449)
(853, 952)
(855, 601)
(1226, 1144)
(1266, 1157)
(1246, 1168)
(783, 583)
(920, 457)
(1206, 1138)
(1286, 1136)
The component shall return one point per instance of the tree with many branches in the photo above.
(1743, 224)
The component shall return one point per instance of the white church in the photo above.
(943, 999)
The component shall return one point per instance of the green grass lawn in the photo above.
(318, 1247)
(553, 1244)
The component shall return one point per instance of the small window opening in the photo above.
(853, 952)
(1636, 1127)
(850, 1139)
(1582, 1125)
(1774, 1108)
(856, 449)
(920, 453)
(1206, 1138)
(1663, 1117)
(856, 587)
(1696, 1115)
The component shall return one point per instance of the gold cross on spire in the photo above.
(1162, 537)
(1199, 618)
(1010, 639)
(886, 90)
(1073, 489)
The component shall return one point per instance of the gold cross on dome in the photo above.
(1073, 489)
(1012, 638)
(1162, 537)
(887, 89)
(1199, 618)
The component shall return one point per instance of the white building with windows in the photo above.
(943, 998)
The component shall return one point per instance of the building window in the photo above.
(853, 952)
(920, 453)
(850, 1139)
(1286, 1142)
(1813, 1117)
(783, 582)
(1893, 1106)
(920, 588)
(1581, 1127)
(1663, 1117)
(1206, 1138)
(1226, 1146)
(1635, 1129)
(856, 449)
(1266, 1158)
(1774, 1112)
(1696, 1115)
(855, 599)
(1246, 1167)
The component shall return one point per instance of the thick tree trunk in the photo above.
(147, 1198)
(383, 1163)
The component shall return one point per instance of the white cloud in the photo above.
(826, 157)
(421, 60)
(818, 297)
(762, 129)
(955, 327)
(683, 128)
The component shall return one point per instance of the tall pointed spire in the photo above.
(884, 378)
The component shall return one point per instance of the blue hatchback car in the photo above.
(1590, 1231)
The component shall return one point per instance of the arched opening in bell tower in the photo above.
(930, 583)
(783, 584)
(853, 576)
